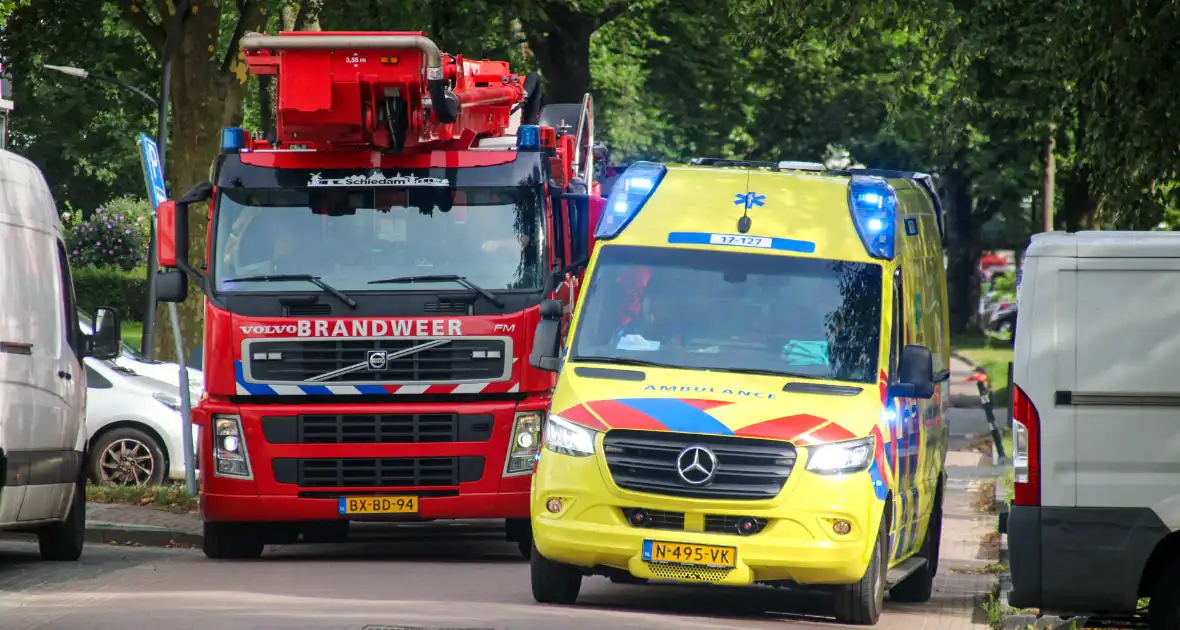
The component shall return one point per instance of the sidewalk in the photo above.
(964, 393)
(960, 581)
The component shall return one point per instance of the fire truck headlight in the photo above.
(526, 443)
(229, 449)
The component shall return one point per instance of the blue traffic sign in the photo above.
(153, 171)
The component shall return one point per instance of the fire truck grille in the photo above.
(746, 468)
(358, 428)
(376, 361)
(390, 472)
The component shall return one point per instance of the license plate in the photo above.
(378, 505)
(686, 553)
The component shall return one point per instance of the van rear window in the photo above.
(733, 311)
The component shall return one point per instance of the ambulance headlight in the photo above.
(838, 458)
(562, 436)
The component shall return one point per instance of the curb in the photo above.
(965, 359)
(101, 533)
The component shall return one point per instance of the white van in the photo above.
(42, 383)
(1093, 525)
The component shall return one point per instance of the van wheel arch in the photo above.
(127, 424)
(1162, 560)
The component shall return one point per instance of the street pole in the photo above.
(1049, 175)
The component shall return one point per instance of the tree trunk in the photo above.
(963, 251)
(206, 96)
(562, 51)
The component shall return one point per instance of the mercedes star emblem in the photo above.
(696, 465)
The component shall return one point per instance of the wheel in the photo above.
(231, 541)
(1163, 613)
(127, 457)
(553, 582)
(860, 603)
(64, 541)
(919, 585)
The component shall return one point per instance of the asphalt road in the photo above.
(473, 581)
(458, 576)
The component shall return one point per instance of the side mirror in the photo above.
(172, 229)
(596, 210)
(107, 340)
(547, 339)
(915, 374)
(171, 286)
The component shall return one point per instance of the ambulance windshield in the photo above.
(351, 236)
(713, 310)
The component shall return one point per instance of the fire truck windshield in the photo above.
(350, 237)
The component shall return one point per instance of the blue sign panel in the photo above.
(153, 171)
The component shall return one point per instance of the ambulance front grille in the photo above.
(747, 468)
(348, 361)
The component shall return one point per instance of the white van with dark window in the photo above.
(42, 383)
(1095, 521)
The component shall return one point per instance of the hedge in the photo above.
(110, 286)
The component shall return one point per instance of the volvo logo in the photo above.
(696, 465)
(376, 359)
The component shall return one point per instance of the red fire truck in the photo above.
(374, 274)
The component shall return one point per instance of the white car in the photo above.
(159, 370)
(133, 420)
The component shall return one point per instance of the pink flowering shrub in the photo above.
(110, 237)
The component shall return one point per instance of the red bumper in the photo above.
(274, 495)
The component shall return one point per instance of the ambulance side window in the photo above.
(897, 335)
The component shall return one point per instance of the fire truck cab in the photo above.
(371, 282)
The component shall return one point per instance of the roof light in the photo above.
(633, 188)
(233, 139)
(801, 166)
(874, 209)
(528, 138)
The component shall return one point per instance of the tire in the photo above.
(919, 585)
(119, 456)
(231, 541)
(1165, 616)
(553, 582)
(63, 542)
(861, 603)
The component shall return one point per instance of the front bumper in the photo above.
(798, 543)
(278, 491)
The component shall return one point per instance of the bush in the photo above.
(108, 237)
(111, 286)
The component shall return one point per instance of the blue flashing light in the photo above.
(233, 139)
(874, 211)
(633, 188)
(528, 138)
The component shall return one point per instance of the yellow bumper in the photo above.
(798, 543)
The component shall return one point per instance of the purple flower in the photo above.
(98, 244)
(75, 252)
(108, 226)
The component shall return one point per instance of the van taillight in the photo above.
(1026, 447)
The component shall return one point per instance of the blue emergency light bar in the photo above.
(633, 188)
(528, 138)
(873, 204)
(233, 139)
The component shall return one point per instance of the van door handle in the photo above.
(64, 374)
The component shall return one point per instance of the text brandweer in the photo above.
(362, 328)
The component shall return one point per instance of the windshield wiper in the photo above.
(487, 295)
(299, 277)
(625, 361)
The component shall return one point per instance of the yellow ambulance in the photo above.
(754, 389)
